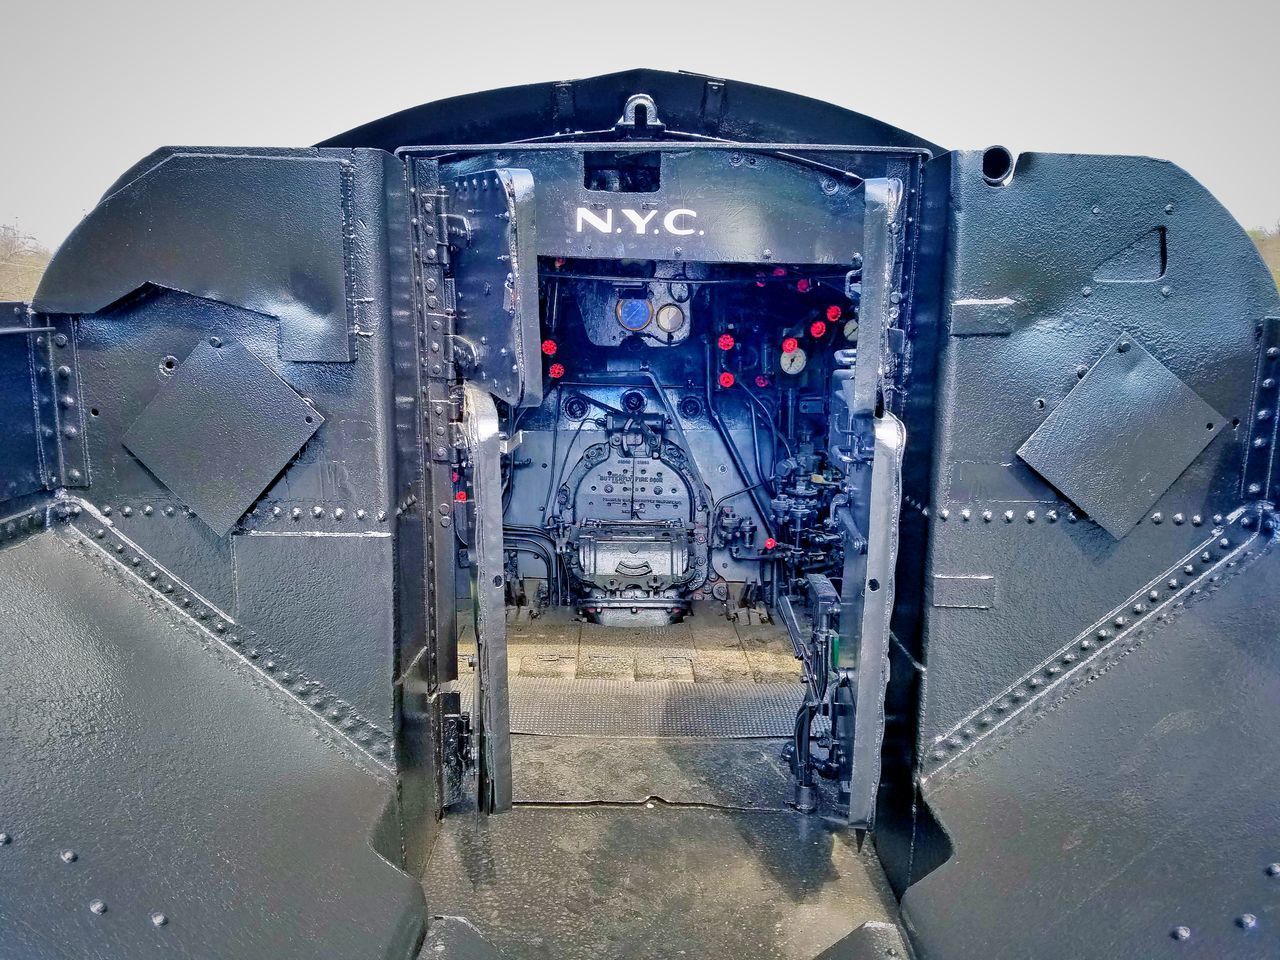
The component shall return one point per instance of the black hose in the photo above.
(547, 558)
(769, 418)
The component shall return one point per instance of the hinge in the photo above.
(457, 757)
(60, 422)
(433, 226)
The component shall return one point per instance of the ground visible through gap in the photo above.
(654, 882)
(626, 845)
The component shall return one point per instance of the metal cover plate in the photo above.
(1122, 436)
(220, 431)
(497, 283)
(324, 603)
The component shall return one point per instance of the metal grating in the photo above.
(555, 707)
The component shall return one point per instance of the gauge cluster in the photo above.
(679, 452)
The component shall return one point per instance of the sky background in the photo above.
(93, 87)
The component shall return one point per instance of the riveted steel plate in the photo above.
(1122, 436)
(19, 446)
(322, 604)
(211, 814)
(220, 431)
(497, 282)
(653, 708)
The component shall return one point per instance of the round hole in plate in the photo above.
(310, 420)
(997, 165)
(168, 364)
(873, 584)
(93, 411)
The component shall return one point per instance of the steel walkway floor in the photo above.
(649, 708)
(705, 648)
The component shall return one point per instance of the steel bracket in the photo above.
(60, 425)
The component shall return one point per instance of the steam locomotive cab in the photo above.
(697, 476)
(693, 350)
(683, 434)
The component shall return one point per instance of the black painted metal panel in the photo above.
(496, 279)
(1137, 800)
(712, 203)
(268, 233)
(20, 472)
(688, 103)
(322, 601)
(147, 768)
(221, 430)
(1037, 241)
(1054, 747)
(1122, 436)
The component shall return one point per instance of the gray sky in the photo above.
(93, 86)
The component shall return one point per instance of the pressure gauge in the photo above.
(794, 361)
(633, 313)
(851, 330)
(670, 318)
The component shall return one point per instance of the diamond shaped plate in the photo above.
(1122, 436)
(220, 431)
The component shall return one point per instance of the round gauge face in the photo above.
(633, 314)
(851, 330)
(670, 318)
(794, 361)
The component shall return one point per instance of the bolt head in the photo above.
(1246, 921)
(1180, 933)
(68, 856)
(98, 907)
(158, 919)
